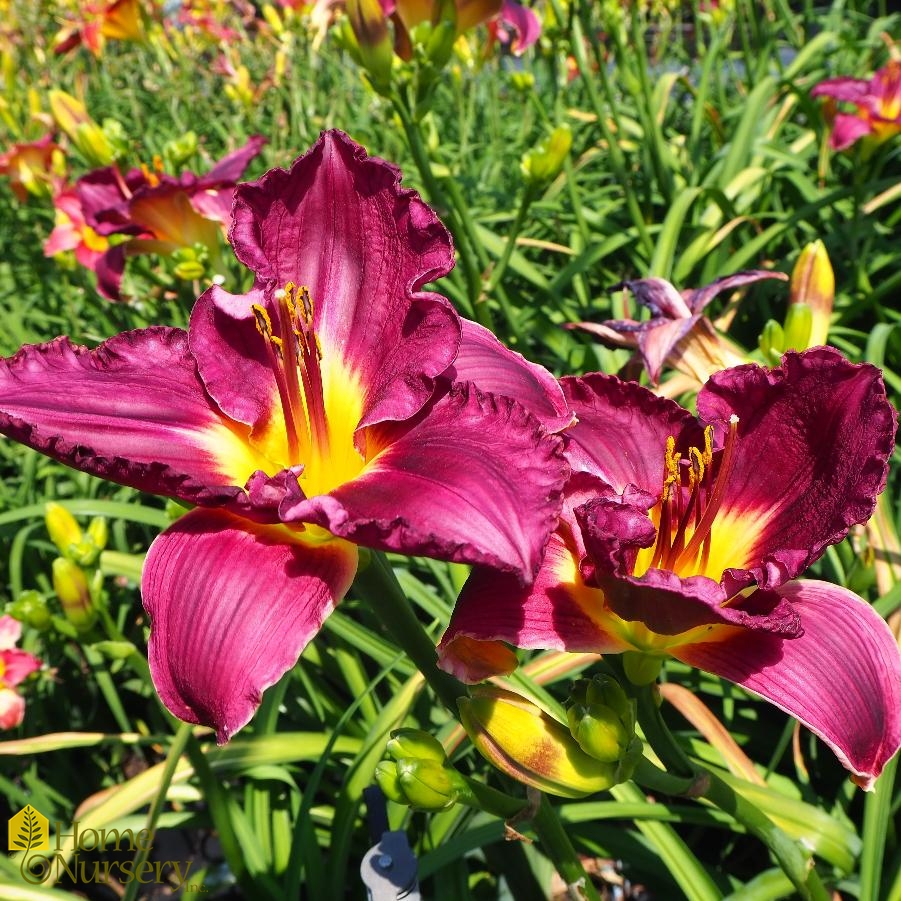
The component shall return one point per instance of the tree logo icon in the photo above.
(29, 830)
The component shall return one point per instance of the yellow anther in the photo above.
(671, 461)
(698, 465)
(307, 303)
(708, 445)
(157, 162)
(264, 323)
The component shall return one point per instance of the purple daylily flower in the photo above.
(684, 538)
(330, 406)
(878, 102)
(677, 334)
(160, 212)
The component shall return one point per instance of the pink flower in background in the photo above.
(15, 665)
(878, 103)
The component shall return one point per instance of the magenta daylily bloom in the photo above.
(159, 212)
(15, 666)
(684, 538)
(878, 102)
(319, 411)
(677, 334)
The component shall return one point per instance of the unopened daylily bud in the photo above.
(71, 587)
(798, 326)
(374, 45)
(31, 608)
(813, 284)
(527, 743)
(72, 117)
(641, 669)
(62, 527)
(388, 781)
(545, 162)
(428, 785)
(772, 342)
(601, 718)
(270, 14)
(417, 744)
(98, 532)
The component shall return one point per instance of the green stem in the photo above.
(176, 749)
(877, 813)
(495, 802)
(658, 734)
(556, 845)
(378, 583)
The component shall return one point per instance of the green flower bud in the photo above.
(430, 786)
(798, 325)
(772, 342)
(71, 587)
(388, 781)
(31, 607)
(601, 718)
(545, 162)
(415, 744)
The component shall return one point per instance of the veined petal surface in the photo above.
(841, 678)
(133, 411)
(814, 438)
(232, 605)
(339, 224)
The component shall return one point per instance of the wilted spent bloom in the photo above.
(602, 720)
(15, 666)
(527, 743)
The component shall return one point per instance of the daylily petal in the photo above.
(658, 295)
(622, 430)
(841, 678)
(10, 632)
(524, 22)
(110, 267)
(231, 167)
(483, 360)
(853, 90)
(232, 607)
(12, 708)
(847, 129)
(133, 411)
(475, 479)
(16, 666)
(814, 438)
(698, 298)
(339, 224)
(557, 612)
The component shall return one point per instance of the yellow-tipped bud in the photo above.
(545, 162)
(813, 284)
(417, 744)
(62, 527)
(602, 718)
(527, 743)
(72, 117)
(98, 533)
(374, 45)
(71, 587)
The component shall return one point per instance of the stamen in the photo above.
(295, 355)
(702, 529)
